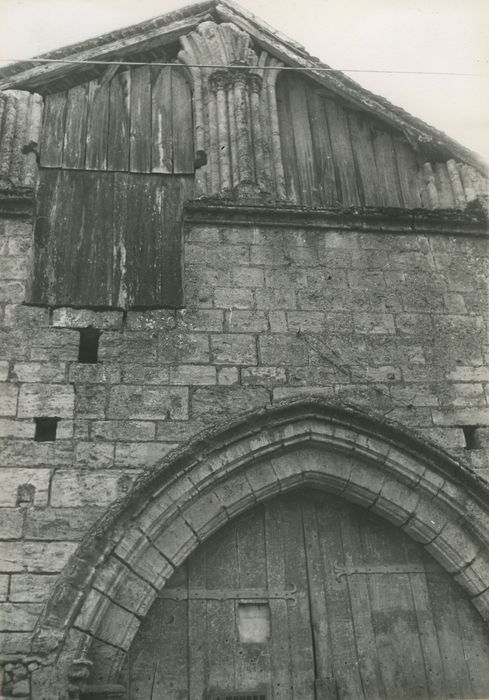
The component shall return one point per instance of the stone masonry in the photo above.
(393, 323)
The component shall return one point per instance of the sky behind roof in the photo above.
(403, 35)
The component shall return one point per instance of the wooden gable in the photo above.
(337, 155)
(138, 120)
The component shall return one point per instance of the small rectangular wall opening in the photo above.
(45, 429)
(470, 434)
(88, 349)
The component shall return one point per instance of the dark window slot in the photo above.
(471, 437)
(45, 429)
(88, 350)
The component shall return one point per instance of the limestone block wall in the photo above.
(394, 323)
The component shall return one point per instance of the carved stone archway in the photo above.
(112, 580)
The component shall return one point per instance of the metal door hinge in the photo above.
(348, 570)
(228, 594)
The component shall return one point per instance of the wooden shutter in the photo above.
(105, 239)
(138, 120)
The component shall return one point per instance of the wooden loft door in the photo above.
(308, 597)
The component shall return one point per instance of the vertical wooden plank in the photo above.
(148, 239)
(140, 139)
(53, 130)
(252, 659)
(307, 182)
(408, 169)
(386, 168)
(368, 662)
(393, 614)
(163, 674)
(136, 256)
(363, 153)
(90, 282)
(182, 123)
(300, 634)
(280, 652)
(97, 125)
(428, 639)
(475, 640)
(76, 127)
(221, 572)
(287, 141)
(317, 599)
(39, 291)
(450, 635)
(323, 154)
(197, 628)
(344, 163)
(161, 116)
(343, 647)
(118, 127)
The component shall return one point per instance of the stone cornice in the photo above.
(448, 222)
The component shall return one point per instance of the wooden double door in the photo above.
(308, 597)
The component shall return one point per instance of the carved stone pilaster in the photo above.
(233, 111)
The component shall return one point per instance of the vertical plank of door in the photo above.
(323, 155)
(393, 612)
(221, 572)
(119, 121)
(343, 646)
(252, 660)
(53, 130)
(280, 653)
(161, 117)
(140, 138)
(300, 632)
(317, 599)
(475, 640)
(76, 127)
(435, 677)
(182, 124)
(197, 628)
(97, 125)
(344, 163)
(363, 152)
(449, 633)
(368, 662)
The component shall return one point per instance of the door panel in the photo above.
(336, 604)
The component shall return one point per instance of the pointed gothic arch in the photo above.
(110, 583)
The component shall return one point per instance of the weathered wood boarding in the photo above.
(357, 611)
(108, 239)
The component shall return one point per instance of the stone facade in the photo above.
(392, 322)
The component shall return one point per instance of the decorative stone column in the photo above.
(235, 112)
